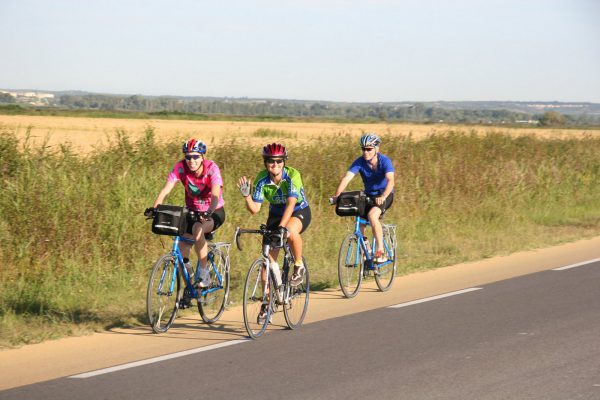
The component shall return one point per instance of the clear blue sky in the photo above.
(353, 50)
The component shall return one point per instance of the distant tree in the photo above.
(7, 98)
(552, 118)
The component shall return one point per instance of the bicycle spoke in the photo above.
(163, 294)
(211, 302)
(257, 299)
(296, 300)
(350, 265)
(385, 272)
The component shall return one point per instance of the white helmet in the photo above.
(370, 140)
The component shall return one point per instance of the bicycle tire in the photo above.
(384, 274)
(211, 302)
(162, 303)
(350, 265)
(296, 300)
(255, 296)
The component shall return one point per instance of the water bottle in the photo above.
(277, 273)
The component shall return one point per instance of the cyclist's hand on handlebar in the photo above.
(244, 186)
(203, 216)
(283, 231)
(149, 212)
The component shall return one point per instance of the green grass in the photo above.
(76, 251)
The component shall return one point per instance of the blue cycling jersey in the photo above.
(373, 179)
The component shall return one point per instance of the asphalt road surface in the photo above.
(530, 337)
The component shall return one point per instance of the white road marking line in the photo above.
(441, 296)
(158, 359)
(577, 265)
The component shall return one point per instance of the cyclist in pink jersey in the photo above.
(203, 185)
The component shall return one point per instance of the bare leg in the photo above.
(294, 227)
(374, 215)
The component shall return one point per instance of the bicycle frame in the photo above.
(176, 252)
(369, 255)
(288, 259)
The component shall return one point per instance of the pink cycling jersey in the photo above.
(197, 189)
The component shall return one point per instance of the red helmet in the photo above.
(275, 150)
(194, 146)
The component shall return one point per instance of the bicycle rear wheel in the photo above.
(350, 265)
(164, 293)
(211, 302)
(296, 300)
(257, 290)
(385, 272)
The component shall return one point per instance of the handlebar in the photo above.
(368, 199)
(280, 234)
(195, 216)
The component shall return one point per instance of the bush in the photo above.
(75, 250)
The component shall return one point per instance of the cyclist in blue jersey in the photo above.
(377, 173)
(282, 187)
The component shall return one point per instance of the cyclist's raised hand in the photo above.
(244, 186)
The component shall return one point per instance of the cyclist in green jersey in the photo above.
(282, 187)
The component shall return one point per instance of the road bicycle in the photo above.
(261, 289)
(172, 287)
(356, 256)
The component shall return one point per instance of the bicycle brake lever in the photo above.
(236, 238)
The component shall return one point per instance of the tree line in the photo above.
(393, 112)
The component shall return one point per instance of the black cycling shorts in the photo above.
(304, 215)
(218, 217)
(386, 204)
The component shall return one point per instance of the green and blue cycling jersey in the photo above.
(277, 195)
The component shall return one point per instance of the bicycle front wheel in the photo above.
(296, 300)
(350, 265)
(258, 302)
(385, 272)
(211, 302)
(164, 293)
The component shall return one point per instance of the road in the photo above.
(533, 336)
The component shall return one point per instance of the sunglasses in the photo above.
(367, 148)
(273, 161)
(194, 157)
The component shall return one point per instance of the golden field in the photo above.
(86, 133)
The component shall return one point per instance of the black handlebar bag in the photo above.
(170, 220)
(350, 204)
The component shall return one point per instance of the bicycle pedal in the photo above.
(185, 303)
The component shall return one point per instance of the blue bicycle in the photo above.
(172, 287)
(356, 257)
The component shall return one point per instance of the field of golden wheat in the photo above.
(86, 133)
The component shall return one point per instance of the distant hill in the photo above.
(509, 112)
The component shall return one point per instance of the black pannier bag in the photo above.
(350, 204)
(169, 220)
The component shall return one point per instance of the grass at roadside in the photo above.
(75, 250)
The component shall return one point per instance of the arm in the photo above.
(343, 183)
(388, 189)
(164, 193)
(215, 194)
